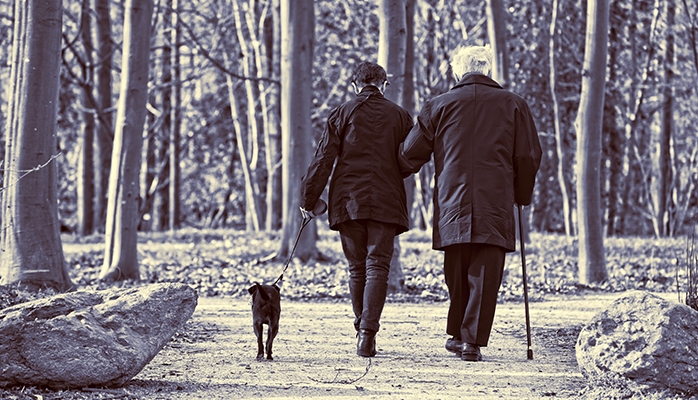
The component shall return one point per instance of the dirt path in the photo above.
(315, 355)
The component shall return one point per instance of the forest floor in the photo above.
(314, 355)
(213, 357)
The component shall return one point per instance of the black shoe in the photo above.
(471, 352)
(454, 345)
(366, 347)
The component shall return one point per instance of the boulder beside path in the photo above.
(644, 341)
(99, 338)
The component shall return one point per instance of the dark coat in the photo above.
(366, 182)
(486, 156)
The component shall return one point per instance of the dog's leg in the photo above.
(271, 334)
(259, 331)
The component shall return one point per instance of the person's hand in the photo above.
(307, 214)
(319, 209)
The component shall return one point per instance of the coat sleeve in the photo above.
(527, 155)
(416, 150)
(315, 179)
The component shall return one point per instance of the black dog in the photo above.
(266, 309)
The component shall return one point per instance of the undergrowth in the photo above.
(226, 263)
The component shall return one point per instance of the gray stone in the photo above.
(643, 341)
(90, 338)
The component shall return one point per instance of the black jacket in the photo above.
(486, 156)
(363, 135)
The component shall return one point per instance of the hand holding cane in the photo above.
(529, 354)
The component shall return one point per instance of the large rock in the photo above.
(90, 338)
(643, 341)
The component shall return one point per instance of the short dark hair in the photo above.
(368, 73)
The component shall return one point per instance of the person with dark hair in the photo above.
(367, 203)
(486, 155)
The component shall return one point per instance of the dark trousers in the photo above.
(368, 247)
(473, 274)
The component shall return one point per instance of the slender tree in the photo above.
(32, 253)
(120, 254)
(175, 120)
(392, 50)
(273, 130)
(297, 36)
(661, 186)
(392, 45)
(104, 135)
(565, 189)
(86, 171)
(497, 33)
(592, 264)
(251, 145)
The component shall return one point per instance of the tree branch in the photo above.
(217, 63)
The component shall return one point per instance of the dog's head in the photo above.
(257, 288)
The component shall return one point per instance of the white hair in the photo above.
(472, 59)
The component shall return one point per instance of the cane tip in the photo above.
(529, 354)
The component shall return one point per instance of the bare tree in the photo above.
(32, 253)
(661, 182)
(565, 188)
(392, 50)
(104, 135)
(86, 170)
(121, 237)
(273, 129)
(297, 36)
(175, 119)
(497, 33)
(592, 264)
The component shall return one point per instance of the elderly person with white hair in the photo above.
(486, 155)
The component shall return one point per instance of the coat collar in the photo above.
(369, 90)
(474, 78)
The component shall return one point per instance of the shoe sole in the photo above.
(471, 357)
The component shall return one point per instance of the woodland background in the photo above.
(211, 154)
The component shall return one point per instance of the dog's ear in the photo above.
(253, 289)
(275, 286)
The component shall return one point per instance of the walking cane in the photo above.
(529, 354)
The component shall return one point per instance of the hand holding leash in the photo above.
(319, 209)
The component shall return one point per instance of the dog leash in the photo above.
(319, 209)
(293, 249)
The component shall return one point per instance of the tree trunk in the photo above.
(252, 213)
(559, 133)
(261, 67)
(162, 133)
(592, 264)
(104, 136)
(392, 45)
(408, 104)
(497, 33)
(250, 198)
(173, 214)
(297, 35)
(32, 253)
(85, 173)
(274, 175)
(392, 50)
(120, 255)
(661, 192)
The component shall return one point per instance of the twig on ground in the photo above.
(344, 381)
